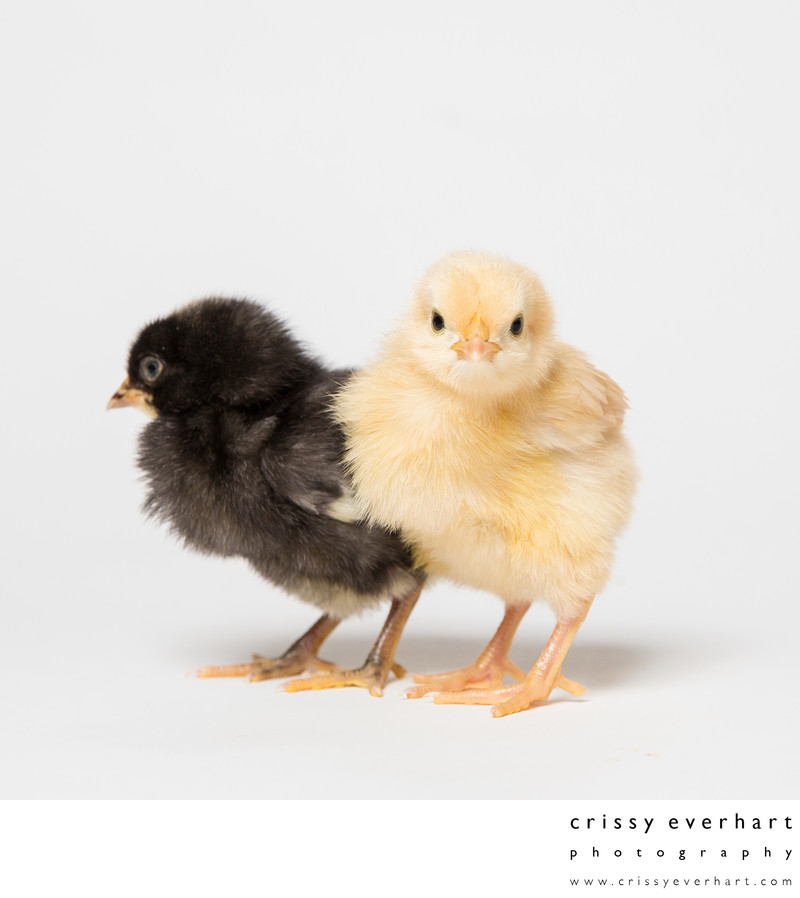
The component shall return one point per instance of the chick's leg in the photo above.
(536, 687)
(488, 670)
(299, 657)
(374, 672)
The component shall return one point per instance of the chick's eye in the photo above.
(150, 368)
(437, 322)
(516, 326)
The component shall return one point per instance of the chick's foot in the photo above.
(374, 673)
(534, 690)
(261, 668)
(372, 676)
(298, 658)
(488, 670)
(483, 675)
(544, 677)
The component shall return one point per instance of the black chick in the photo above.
(243, 458)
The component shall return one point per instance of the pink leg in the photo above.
(488, 670)
(536, 687)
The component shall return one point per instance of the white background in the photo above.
(642, 158)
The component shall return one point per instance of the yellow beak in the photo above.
(476, 345)
(128, 396)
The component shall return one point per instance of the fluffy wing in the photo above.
(302, 459)
(578, 406)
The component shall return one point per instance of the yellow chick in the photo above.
(498, 451)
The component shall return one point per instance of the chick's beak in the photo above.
(127, 396)
(476, 345)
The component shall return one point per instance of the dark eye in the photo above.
(437, 322)
(516, 326)
(150, 368)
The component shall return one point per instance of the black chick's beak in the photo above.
(128, 396)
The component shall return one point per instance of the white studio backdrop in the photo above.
(642, 158)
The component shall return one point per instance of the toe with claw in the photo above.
(299, 657)
(534, 690)
(261, 668)
(372, 676)
(483, 675)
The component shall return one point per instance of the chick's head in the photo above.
(481, 324)
(229, 351)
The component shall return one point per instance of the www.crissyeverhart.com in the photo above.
(682, 882)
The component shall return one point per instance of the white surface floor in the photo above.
(97, 704)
